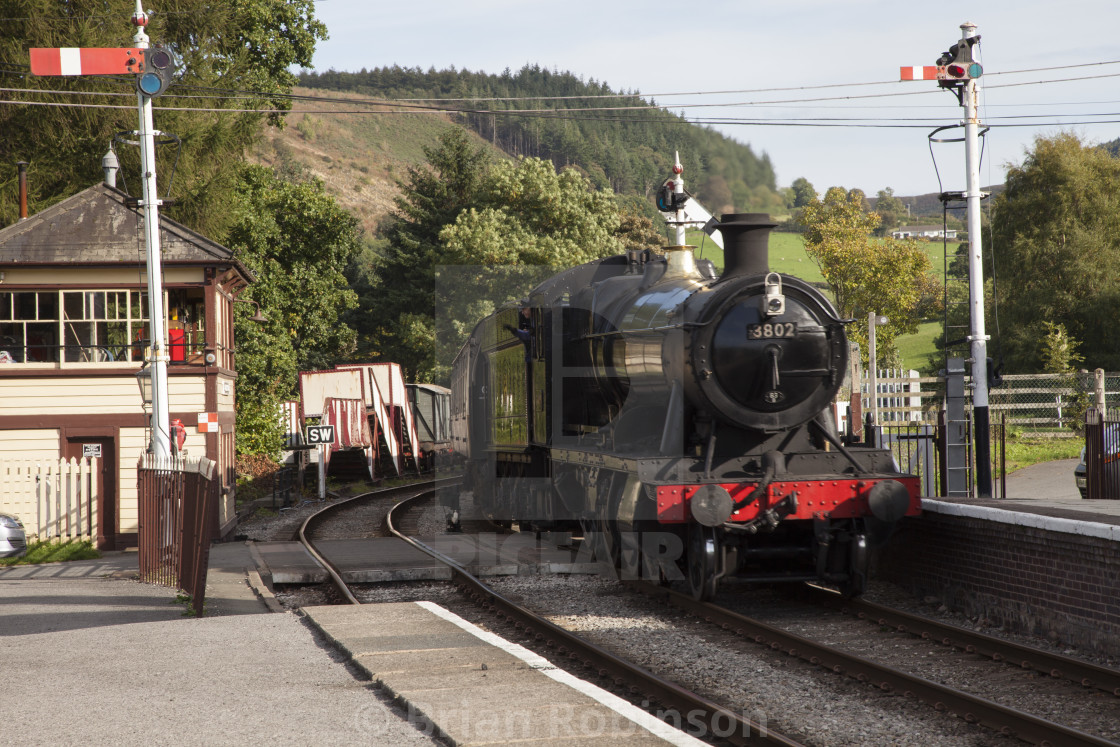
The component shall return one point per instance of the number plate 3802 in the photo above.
(771, 331)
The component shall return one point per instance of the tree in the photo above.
(242, 47)
(890, 210)
(803, 192)
(882, 276)
(1056, 232)
(397, 282)
(298, 242)
(464, 232)
(1059, 352)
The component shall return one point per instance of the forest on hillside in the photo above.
(552, 115)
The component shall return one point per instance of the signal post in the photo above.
(154, 68)
(957, 71)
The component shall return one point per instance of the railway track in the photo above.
(971, 708)
(997, 649)
(623, 675)
(562, 644)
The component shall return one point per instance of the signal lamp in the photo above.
(159, 66)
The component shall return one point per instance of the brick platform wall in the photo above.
(1057, 584)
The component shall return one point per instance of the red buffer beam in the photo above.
(79, 61)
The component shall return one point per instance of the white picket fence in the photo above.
(54, 499)
(900, 396)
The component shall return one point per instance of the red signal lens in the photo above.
(956, 71)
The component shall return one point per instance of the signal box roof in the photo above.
(103, 227)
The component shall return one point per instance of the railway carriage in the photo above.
(680, 419)
(431, 408)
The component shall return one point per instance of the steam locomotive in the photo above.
(679, 419)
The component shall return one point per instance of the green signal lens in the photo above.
(150, 84)
(974, 70)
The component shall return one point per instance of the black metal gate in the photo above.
(1102, 454)
(178, 504)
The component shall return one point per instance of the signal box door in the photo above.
(108, 518)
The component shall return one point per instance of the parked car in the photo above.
(13, 540)
(1079, 476)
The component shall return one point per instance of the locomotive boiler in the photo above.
(679, 419)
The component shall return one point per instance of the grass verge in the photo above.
(1025, 451)
(46, 551)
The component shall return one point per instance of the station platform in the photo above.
(1042, 496)
(478, 688)
(96, 652)
(382, 559)
(1042, 562)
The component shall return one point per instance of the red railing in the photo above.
(178, 504)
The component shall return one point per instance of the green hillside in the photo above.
(629, 151)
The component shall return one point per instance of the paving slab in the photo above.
(93, 658)
(496, 692)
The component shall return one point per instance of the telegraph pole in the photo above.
(957, 71)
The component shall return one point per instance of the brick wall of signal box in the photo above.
(1055, 584)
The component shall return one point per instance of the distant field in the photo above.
(787, 254)
(917, 350)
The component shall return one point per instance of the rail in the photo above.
(970, 641)
(971, 708)
(715, 717)
(313, 521)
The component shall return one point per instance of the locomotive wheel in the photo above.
(609, 549)
(703, 562)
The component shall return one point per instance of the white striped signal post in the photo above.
(960, 73)
(153, 79)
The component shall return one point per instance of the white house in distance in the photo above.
(73, 329)
(924, 232)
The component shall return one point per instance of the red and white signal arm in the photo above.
(921, 72)
(208, 422)
(81, 61)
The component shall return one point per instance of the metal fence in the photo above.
(1039, 404)
(178, 504)
(919, 449)
(1102, 454)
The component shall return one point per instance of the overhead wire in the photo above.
(421, 105)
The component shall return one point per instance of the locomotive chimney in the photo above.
(746, 243)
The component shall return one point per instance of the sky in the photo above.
(849, 52)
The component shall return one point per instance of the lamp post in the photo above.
(144, 380)
(873, 320)
(258, 317)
